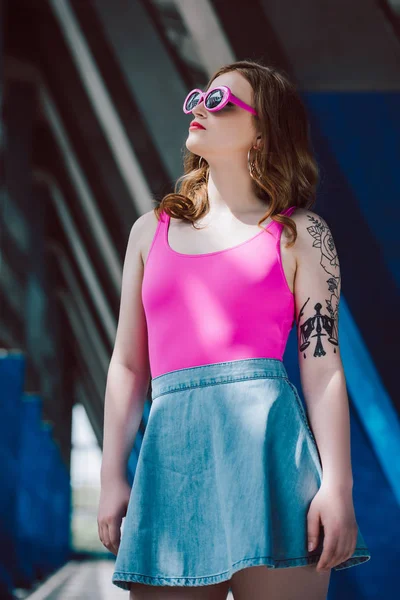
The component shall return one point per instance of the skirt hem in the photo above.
(122, 578)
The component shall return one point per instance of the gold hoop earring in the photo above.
(251, 163)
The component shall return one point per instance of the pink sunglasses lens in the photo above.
(192, 100)
(214, 99)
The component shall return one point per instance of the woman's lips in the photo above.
(196, 127)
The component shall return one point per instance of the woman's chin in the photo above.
(195, 148)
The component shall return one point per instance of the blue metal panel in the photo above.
(12, 371)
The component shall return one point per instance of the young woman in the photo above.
(237, 485)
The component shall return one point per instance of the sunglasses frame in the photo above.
(227, 97)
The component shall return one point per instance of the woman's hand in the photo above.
(333, 508)
(114, 499)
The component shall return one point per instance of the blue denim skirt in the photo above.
(226, 473)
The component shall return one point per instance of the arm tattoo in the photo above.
(319, 325)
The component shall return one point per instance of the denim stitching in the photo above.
(181, 388)
(314, 556)
(226, 362)
(360, 555)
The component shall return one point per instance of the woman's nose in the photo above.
(199, 109)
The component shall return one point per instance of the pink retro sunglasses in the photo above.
(214, 100)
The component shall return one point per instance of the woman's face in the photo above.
(229, 131)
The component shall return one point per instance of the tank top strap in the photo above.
(158, 238)
(163, 229)
(163, 219)
(288, 211)
(276, 227)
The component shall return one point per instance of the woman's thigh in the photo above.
(217, 591)
(291, 583)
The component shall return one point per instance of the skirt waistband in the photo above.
(221, 372)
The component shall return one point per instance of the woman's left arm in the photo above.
(317, 290)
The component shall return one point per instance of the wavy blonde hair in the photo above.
(284, 172)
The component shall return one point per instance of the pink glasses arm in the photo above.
(238, 102)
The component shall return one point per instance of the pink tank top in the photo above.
(220, 306)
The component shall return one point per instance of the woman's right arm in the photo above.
(127, 384)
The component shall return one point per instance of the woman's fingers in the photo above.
(103, 534)
(347, 547)
(109, 535)
(114, 533)
(331, 541)
(337, 547)
(313, 529)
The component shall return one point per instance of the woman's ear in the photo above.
(258, 144)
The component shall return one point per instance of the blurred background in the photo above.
(91, 137)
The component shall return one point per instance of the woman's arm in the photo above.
(129, 373)
(317, 294)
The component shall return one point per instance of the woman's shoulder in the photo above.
(306, 218)
(311, 229)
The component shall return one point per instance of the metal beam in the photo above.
(97, 345)
(78, 330)
(79, 251)
(103, 107)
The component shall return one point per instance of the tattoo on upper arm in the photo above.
(318, 325)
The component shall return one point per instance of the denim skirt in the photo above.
(227, 470)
